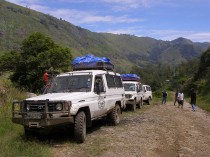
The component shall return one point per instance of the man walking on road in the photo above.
(176, 95)
(193, 99)
(164, 97)
(181, 99)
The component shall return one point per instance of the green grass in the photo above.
(203, 102)
(13, 142)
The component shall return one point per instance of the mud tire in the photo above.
(114, 116)
(80, 127)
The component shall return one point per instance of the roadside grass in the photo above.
(203, 102)
(12, 140)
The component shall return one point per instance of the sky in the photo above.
(160, 19)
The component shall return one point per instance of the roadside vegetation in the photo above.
(13, 142)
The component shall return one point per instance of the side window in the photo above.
(110, 81)
(118, 81)
(99, 81)
(114, 81)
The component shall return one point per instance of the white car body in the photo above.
(95, 93)
(133, 94)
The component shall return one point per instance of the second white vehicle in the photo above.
(147, 94)
(133, 91)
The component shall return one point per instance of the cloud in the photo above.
(122, 31)
(173, 34)
(129, 3)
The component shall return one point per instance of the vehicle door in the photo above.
(100, 92)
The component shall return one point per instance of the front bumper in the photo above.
(39, 119)
(130, 102)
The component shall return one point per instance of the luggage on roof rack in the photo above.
(90, 62)
(130, 77)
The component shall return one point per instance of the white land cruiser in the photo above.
(147, 93)
(133, 94)
(133, 90)
(77, 98)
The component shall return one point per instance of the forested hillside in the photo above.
(17, 23)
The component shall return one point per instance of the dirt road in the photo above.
(158, 131)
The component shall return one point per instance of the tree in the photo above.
(38, 53)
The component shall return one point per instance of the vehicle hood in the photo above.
(74, 97)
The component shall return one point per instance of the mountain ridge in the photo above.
(124, 50)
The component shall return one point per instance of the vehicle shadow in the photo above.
(62, 134)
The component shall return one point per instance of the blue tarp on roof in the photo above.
(128, 77)
(92, 62)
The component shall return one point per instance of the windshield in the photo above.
(129, 87)
(71, 83)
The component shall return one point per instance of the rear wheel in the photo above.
(148, 101)
(114, 116)
(80, 127)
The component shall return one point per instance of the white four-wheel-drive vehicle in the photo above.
(77, 98)
(133, 91)
(147, 93)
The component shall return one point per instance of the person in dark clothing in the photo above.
(176, 95)
(164, 93)
(193, 99)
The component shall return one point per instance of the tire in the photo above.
(148, 101)
(133, 106)
(114, 116)
(80, 127)
(140, 104)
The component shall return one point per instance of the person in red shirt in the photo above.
(45, 76)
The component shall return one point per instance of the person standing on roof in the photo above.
(46, 77)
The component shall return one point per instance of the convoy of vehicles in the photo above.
(91, 91)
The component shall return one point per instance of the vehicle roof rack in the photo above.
(130, 77)
(90, 62)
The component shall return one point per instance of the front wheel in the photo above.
(114, 116)
(80, 127)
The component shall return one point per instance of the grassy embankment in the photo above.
(12, 139)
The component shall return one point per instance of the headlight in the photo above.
(58, 107)
(28, 107)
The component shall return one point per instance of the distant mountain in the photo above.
(16, 23)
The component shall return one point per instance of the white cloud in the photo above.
(129, 3)
(173, 34)
(122, 31)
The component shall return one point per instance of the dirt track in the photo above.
(159, 131)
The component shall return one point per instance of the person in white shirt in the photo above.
(180, 99)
